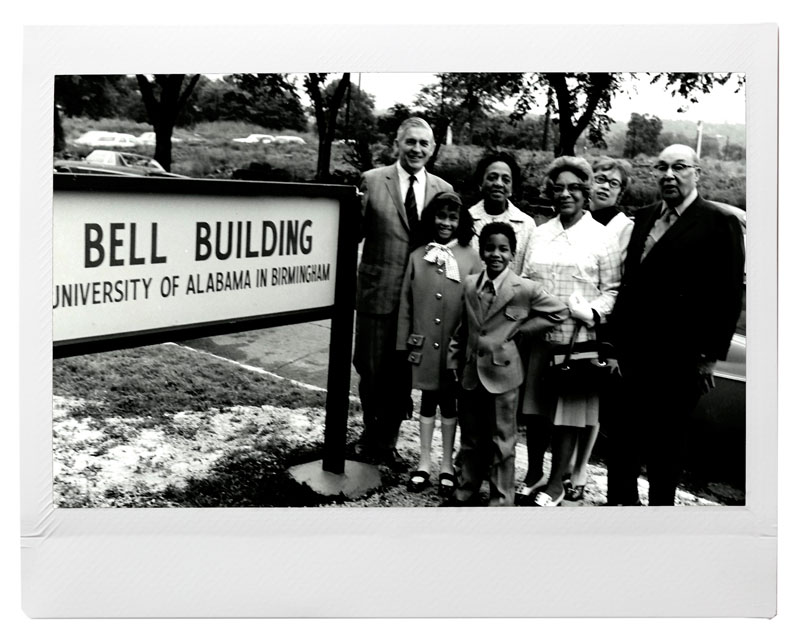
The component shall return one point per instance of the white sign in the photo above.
(133, 262)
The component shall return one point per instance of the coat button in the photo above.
(438, 296)
(437, 321)
(440, 271)
(507, 362)
(436, 346)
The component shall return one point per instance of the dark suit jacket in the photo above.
(384, 229)
(683, 300)
(483, 344)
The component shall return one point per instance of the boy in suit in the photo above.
(498, 306)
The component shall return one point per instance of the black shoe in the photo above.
(418, 481)
(453, 501)
(447, 484)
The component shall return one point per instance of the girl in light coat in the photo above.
(430, 308)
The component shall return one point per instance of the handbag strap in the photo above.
(572, 341)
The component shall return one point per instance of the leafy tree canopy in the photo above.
(356, 117)
(266, 99)
(642, 136)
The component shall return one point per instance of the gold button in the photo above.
(436, 346)
(438, 296)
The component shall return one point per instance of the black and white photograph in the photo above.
(615, 375)
(308, 321)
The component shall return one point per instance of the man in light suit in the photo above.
(393, 199)
(674, 318)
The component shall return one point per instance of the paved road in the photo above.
(298, 352)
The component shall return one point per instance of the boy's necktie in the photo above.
(487, 296)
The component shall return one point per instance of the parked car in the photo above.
(256, 138)
(114, 163)
(289, 139)
(149, 138)
(718, 421)
(100, 138)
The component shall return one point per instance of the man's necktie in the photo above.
(411, 204)
(664, 222)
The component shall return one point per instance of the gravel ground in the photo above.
(125, 462)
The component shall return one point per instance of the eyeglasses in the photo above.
(613, 183)
(677, 169)
(572, 188)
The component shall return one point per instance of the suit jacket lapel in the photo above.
(504, 295)
(645, 219)
(684, 223)
(430, 190)
(393, 185)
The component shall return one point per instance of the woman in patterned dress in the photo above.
(572, 256)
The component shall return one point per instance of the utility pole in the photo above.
(699, 137)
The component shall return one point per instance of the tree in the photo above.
(690, 86)
(164, 99)
(326, 108)
(266, 99)
(358, 115)
(584, 99)
(388, 123)
(734, 152)
(58, 132)
(461, 100)
(642, 135)
(92, 96)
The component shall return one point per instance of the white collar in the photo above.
(511, 213)
(496, 282)
(581, 222)
(405, 176)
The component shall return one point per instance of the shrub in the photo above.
(209, 152)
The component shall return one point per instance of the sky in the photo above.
(722, 105)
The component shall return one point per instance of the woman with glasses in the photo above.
(572, 256)
(610, 181)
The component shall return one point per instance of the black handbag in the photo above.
(576, 367)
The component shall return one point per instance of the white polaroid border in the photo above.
(253, 562)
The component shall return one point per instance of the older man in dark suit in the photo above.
(393, 198)
(674, 318)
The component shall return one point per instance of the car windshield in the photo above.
(101, 156)
(137, 161)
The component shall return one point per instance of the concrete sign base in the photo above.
(357, 480)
